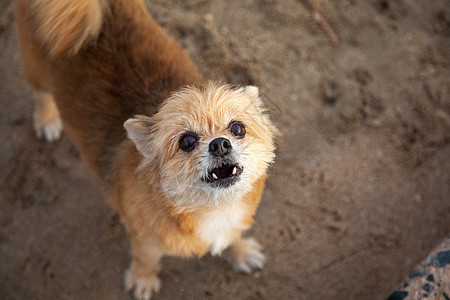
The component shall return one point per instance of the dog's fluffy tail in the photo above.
(64, 26)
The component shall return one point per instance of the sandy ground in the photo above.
(360, 190)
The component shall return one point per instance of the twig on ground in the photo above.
(323, 22)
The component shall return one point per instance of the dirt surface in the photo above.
(359, 193)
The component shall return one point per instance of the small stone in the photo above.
(416, 273)
(430, 278)
(441, 259)
(398, 295)
(427, 287)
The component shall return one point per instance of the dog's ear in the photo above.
(263, 118)
(252, 91)
(139, 130)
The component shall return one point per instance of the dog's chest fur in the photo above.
(217, 227)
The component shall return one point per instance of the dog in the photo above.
(183, 159)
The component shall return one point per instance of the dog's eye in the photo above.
(237, 129)
(188, 142)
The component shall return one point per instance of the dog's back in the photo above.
(103, 62)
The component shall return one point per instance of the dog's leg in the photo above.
(244, 255)
(142, 277)
(47, 122)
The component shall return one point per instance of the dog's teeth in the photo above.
(234, 171)
(214, 175)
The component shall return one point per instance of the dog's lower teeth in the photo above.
(214, 176)
(234, 171)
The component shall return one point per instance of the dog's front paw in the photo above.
(47, 122)
(49, 130)
(143, 287)
(245, 255)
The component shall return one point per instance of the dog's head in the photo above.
(205, 145)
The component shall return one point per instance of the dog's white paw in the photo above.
(143, 287)
(49, 130)
(47, 122)
(245, 255)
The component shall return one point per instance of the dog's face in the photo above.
(205, 145)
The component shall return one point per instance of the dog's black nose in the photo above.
(220, 147)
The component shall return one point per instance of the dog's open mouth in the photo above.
(225, 175)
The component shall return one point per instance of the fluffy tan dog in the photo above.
(186, 178)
